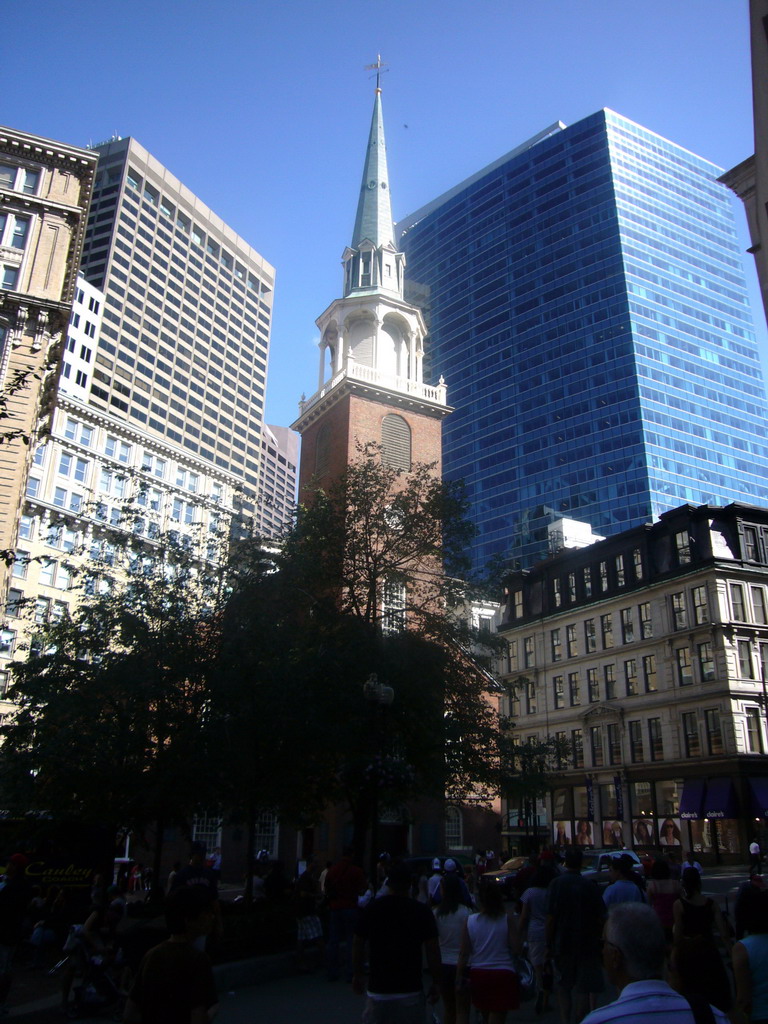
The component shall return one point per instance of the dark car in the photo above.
(596, 863)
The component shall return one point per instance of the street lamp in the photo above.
(379, 696)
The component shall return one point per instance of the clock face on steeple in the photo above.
(371, 183)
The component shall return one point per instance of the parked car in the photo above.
(597, 862)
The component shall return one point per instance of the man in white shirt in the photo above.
(634, 950)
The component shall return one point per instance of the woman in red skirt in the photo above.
(490, 939)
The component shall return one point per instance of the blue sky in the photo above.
(262, 107)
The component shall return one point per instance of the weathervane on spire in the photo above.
(378, 67)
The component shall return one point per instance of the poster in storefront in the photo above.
(583, 835)
(642, 830)
(562, 833)
(669, 832)
(613, 834)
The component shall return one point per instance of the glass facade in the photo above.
(587, 308)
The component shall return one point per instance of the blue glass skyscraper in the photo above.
(587, 306)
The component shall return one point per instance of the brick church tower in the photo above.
(370, 386)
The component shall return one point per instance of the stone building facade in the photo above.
(45, 193)
(645, 656)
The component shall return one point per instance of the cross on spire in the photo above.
(379, 67)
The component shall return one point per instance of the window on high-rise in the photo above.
(738, 606)
(528, 655)
(609, 677)
(752, 550)
(606, 625)
(577, 748)
(714, 731)
(627, 626)
(614, 744)
(596, 743)
(744, 652)
(700, 605)
(649, 673)
(684, 668)
(593, 686)
(574, 689)
(636, 742)
(630, 677)
(637, 561)
(587, 578)
(620, 574)
(590, 636)
(19, 179)
(683, 547)
(559, 691)
(655, 745)
(646, 624)
(679, 613)
(691, 734)
(754, 731)
(557, 645)
(571, 640)
(758, 605)
(706, 661)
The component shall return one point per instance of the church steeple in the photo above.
(371, 340)
(372, 262)
(374, 209)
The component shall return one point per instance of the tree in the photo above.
(110, 701)
(378, 529)
(307, 626)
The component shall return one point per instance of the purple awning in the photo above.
(721, 800)
(692, 799)
(759, 789)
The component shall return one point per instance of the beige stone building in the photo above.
(749, 180)
(45, 192)
(645, 655)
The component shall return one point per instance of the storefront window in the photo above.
(701, 837)
(580, 807)
(608, 801)
(561, 804)
(727, 831)
(668, 797)
(642, 801)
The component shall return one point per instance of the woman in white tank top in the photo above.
(490, 939)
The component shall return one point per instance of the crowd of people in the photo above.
(657, 944)
(652, 939)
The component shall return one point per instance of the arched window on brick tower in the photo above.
(396, 442)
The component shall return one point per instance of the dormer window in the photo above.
(365, 270)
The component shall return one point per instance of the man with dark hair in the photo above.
(174, 984)
(634, 952)
(575, 915)
(625, 887)
(399, 931)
